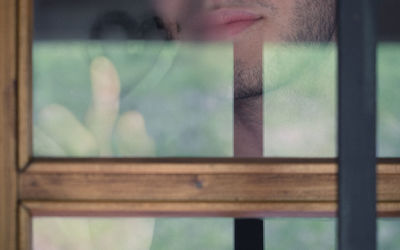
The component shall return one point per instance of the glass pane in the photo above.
(388, 63)
(77, 233)
(300, 100)
(388, 75)
(132, 98)
(108, 81)
(300, 233)
(310, 234)
(184, 78)
(388, 234)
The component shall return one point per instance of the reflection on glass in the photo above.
(56, 233)
(388, 75)
(300, 233)
(51, 233)
(300, 100)
(132, 99)
(316, 234)
(184, 78)
(388, 140)
(388, 234)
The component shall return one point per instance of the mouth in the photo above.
(221, 24)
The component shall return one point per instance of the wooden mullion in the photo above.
(25, 228)
(189, 209)
(264, 187)
(181, 209)
(8, 171)
(190, 166)
(198, 166)
(25, 27)
(180, 187)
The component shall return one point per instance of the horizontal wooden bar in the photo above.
(198, 166)
(184, 166)
(278, 181)
(192, 187)
(181, 209)
(179, 187)
(195, 209)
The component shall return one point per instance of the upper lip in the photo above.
(223, 16)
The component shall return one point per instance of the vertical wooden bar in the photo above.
(24, 229)
(8, 168)
(25, 26)
(357, 118)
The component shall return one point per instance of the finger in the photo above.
(104, 109)
(131, 138)
(44, 145)
(65, 130)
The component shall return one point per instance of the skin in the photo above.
(282, 21)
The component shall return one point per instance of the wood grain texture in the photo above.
(201, 209)
(8, 178)
(180, 209)
(187, 187)
(25, 228)
(183, 166)
(25, 26)
(265, 187)
(198, 166)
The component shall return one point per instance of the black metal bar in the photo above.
(249, 234)
(357, 124)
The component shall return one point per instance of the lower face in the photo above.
(249, 24)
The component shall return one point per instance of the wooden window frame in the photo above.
(32, 186)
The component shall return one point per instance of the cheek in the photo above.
(280, 24)
(168, 9)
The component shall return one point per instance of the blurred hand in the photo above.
(58, 132)
(104, 133)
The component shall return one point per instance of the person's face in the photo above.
(249, 24)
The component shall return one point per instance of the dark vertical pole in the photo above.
(249, 234)
(248, 142)
(357, 118)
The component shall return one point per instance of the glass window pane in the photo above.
(388, 63)
(109, 82)
(184, 79)
(388, 76)
(133, 98)
(300, 233)
(78, 233)
(300, 100)
(388, 234)
(320, 233)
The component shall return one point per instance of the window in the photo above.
(33, 186)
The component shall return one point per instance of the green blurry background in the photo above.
(184, 93)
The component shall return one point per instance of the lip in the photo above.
(222, 23)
